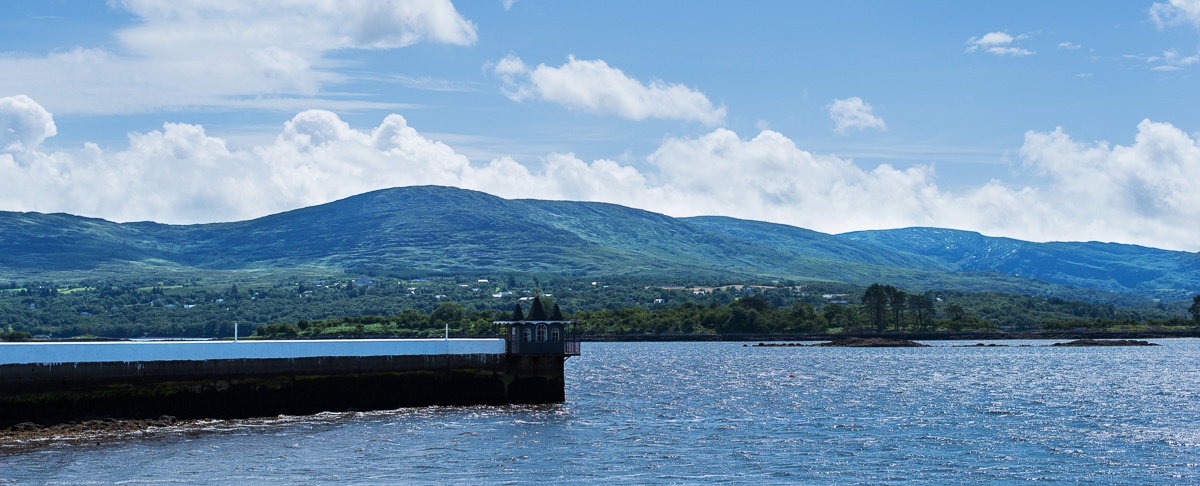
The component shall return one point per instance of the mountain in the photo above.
(1103, 266)
(456, 231)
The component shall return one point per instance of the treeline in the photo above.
(754, 315)
(747, 315)
(408, 324)
(384, 306)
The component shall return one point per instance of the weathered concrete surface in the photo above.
(237, 388)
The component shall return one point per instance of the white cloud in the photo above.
(1069, 46)
(1010, 51)
(852, 113)
(24, 124)
(595, 87)
(193, 53)
(1175, 12)
(1169, 60)
(1173, 58)
(989, 39)
(998, 43)
(1147, 192)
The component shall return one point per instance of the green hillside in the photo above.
(1107, 267)
(459, 232)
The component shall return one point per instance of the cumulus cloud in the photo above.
(595, 87)
(853, 114)
(1175, 12)
(1147, 192)
(24, 124)
(998, 43)
(196, 53)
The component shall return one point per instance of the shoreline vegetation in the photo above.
(619, 310)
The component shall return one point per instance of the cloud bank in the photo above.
(1145, 193)
(595, 87)
(193, 53)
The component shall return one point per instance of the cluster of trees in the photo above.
(885, 306)
(15, 336)
(409, 323)
(747, 315)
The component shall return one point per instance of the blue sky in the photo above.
(1043, 121)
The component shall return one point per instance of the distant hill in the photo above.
(455, 231)
(1102, 266)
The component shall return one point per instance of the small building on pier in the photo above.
(539, 334)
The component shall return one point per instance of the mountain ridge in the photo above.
(450, 230)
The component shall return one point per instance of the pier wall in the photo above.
(264, 379)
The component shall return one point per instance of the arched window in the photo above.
(554, 334)
(528, 335)
(541, 332)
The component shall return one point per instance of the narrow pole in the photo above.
(235, 333)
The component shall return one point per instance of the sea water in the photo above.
(721, 412)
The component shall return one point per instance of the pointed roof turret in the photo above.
(556, 314)
(517, 314)
(536, 311)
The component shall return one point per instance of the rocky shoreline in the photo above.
(29, 435)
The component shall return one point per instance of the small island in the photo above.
(1106, 342)
(854, 342)
(857, 342)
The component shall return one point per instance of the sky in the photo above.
(1042, 121)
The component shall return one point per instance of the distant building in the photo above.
(540, 333)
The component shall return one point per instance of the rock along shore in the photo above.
(1105, 342)
(855, 342)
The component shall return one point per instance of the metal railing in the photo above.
(572, 348)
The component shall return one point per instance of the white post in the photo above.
(235, 333)
(447, 331)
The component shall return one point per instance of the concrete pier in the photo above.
(60, 382)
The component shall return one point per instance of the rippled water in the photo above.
(721, 412)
